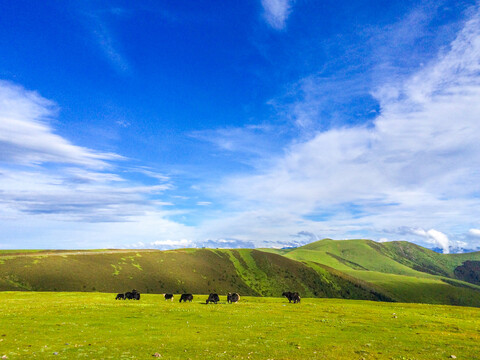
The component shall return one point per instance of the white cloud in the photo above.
(435, 237)
(45, 176)
(26, 136)
(92, 197)
(474, 232)
(276, 12)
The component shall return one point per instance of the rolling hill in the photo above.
(351, 269)
(404, 271)
(247, 271)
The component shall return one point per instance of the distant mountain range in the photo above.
(455, 250)
(351, 269)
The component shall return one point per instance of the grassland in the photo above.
(95, 326)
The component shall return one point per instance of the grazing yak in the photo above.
(186, 297)
(120, 297)
(296, 298)
(233, 298)
(132, 295)
(168, 297)
(213, 298)
(292, 296)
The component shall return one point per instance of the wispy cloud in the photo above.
(319, 102)
(97, 22)
(123, 123)
(26, 136)
(402, 37)
(109, 47)
(252, 141)
(276, 12)
(150, 173)
(44, 174)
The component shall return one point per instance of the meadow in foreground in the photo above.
(95, 326)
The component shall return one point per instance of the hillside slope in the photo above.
(249, 272)
(404, 271)
(395, 257)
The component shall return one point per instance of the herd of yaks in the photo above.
(129, 295)
(212, 298)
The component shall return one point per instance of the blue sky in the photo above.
(166, 124)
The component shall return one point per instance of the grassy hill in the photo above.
(401, 270)
(396, 257)
(350, 269)
(247, 271)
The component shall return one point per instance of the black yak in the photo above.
(132, 295)
(233, 298)
(213, 298)
(292, 296)
(186, 297)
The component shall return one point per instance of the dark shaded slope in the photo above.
(469, 271)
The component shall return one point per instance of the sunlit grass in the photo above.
(95, 326)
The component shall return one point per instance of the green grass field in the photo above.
(67, 325)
